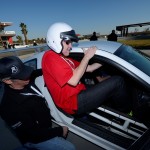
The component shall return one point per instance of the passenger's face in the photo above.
(67, 46)
(18, 84)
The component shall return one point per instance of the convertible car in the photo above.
(105, 126)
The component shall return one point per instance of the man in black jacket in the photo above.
(93, 37)
(26, 111)
(112, 37)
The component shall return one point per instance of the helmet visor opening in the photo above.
(69, 35)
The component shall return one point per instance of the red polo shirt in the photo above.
(57, 71)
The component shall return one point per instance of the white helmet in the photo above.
(58, 32)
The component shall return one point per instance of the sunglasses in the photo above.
(68, 42)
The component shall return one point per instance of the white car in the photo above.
(106, 127)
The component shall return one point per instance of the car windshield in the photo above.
(134, 57)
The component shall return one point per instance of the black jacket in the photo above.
(28, 115)
(112, 37)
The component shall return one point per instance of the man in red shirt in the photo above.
(62, 74)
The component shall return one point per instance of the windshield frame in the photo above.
(135, 57)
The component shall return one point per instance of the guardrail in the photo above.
(23, 53)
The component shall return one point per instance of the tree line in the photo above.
(26, 41)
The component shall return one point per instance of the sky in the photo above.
(84, 16)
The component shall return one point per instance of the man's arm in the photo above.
(93, 67)
(80, 70)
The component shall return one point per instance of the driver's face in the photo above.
(67, 46)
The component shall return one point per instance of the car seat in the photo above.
(56, 113)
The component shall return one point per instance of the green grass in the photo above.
(138, 44)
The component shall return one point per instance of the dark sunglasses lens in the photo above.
(68, 42)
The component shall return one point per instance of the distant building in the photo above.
(6, 36)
